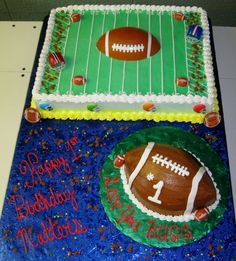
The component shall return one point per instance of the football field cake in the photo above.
(129, 164)
(126, 62)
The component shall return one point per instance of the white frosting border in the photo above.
(124, 98)
(180, 218)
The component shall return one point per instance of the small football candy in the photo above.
(56, 61)
(32, 115)
(119, 161)
(201, 214)
(212, 119)
(75, 18)
(182, 82)
(179, 16)
(78, 80)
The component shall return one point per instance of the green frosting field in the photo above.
(156, 75)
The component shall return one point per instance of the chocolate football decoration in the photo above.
(201, 214)
(128, 44)
(32, 115)
(75, 18)
(179, 16)
(212, 119)
(168, 180)
(78, 80)
(182, 82)
(119, 161)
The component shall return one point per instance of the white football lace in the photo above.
(128, 48)
(165, 162)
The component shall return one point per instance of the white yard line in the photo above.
(110, 74)
(75, 54)
(173, 49)
(186, 52)
(137, 87)
(88, 57)
(124, 65)
(161, 53)
(150, 58)
(99, 59)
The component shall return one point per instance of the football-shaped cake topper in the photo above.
(119, 161)
(32, 115)
(75, 18)
(128, 44)
(212, 119)
(201, 214)
(79, 80)
(182, 82)
(56, 61)
(180, 184)
(179, 16)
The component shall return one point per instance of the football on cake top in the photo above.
(126, 62)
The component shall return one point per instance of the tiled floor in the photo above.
(15, 67)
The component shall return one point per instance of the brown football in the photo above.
(212, 119)
(78, 80)
(32, 115)
(128, 44)
(170, 181)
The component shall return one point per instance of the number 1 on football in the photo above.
(158, 188)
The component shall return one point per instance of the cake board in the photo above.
(63, 161)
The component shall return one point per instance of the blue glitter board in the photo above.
(53, 210)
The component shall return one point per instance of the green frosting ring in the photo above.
(148, 230)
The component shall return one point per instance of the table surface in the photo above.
(15, 69)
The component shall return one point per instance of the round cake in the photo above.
(168, 181)
(163, 187)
